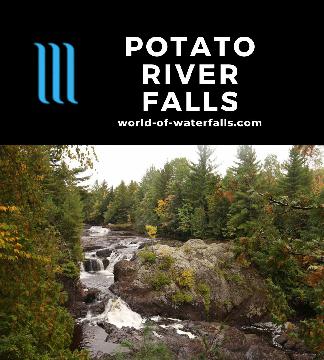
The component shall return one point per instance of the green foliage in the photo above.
(198, 223)
(182, 297)
(71, 270)
(41, 220)
(204, 290)
(166, 262)
(148, 349)
(147, 256)
(120, 209)
(273, 212)
(218, 207)
(159, 280)
(279, 308)
(245, 208)
(313, 332)
(297, 180)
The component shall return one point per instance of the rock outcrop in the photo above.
(220, 342)
(195, 281)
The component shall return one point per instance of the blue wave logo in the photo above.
(56, 73)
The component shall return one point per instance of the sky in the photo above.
(130, 162)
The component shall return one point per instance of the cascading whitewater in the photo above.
(93, 265)
(118, 313)
(113, 259)
(98, 231)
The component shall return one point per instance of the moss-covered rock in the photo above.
(196, 281)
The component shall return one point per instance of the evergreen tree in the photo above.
(270, 174)
(297, 180)
(244, 210)
(40, 218)
(202, 177)
(118, 209)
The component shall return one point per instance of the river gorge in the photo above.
(117, 302)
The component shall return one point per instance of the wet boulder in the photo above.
(104, 253)
(105, 263)
(91, 295)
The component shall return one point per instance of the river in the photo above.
(103, 248)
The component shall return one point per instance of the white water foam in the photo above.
(178, 328)
(118, 313)
(98, 231)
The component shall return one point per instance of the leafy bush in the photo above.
(204, 290)
(151, 231)
(166, 262)
(159, 280)
(186, 278)
(313, 332)
(70, 269)
(149, 349)
(147, 256)
(180, 298)
(279, 307)
(234, 277)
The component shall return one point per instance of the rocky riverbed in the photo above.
(193, 297)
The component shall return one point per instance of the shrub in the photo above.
(180, 298)
(166, 262)
(204, 290)
(313, 332)
(186, 279)
(149, 349)
(70, 269)
(151, 231)
(147, 256)
(279, 307)
(159, 280)
(234, 277)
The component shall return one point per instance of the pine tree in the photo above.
(270, 174)
(244, 210)
(295, 187)
(202, 177)
(297, 180)
(118, 210)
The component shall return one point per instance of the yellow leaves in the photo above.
(23, 167)
(18, 246)
(186, 278)
(58, 269)
(11, 248)
(161, 206)
(151, 231)
(8, 208)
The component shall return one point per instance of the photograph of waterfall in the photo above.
(161, 252)
(122, 236)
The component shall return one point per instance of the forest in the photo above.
(272, 213)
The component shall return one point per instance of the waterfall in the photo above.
(113, 259)
(118, 313)
(93, 264)
(98, 231)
